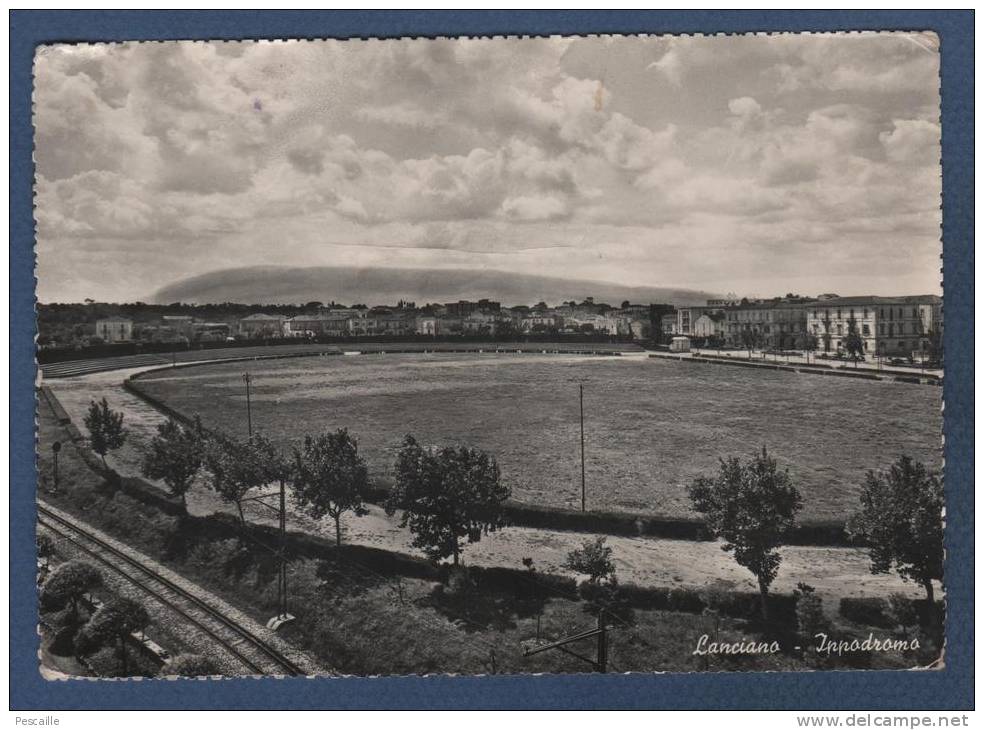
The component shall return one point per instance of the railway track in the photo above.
(255, 654)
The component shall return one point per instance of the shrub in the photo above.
(903, 611)
(67, 584)
(460, 583)
(810, 618)
(867, 611)
(189, 665)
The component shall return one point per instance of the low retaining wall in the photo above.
(378, 563)
(811, 369)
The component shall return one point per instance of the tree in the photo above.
(68, 583)
(236, 467)
(853, 343)
(600, 590)
(505, 329)
(447, 494)
(114, 620)
(175, 456)
(106, 432)
(751, 339)
(901, 519)
(808, 343)
(810, 618)
(45, 546)
(752, 506)
(934, 347)
(593, 559)
(330, 478)
(189, 665)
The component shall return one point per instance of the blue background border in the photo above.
(951, 688)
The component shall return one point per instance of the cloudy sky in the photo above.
(751, 164)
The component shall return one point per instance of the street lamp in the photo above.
(249, 410)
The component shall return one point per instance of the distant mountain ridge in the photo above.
(373, 285)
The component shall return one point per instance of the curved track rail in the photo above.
(253, 652)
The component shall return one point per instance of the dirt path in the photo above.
(834, 572)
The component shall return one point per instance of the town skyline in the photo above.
(698, 162)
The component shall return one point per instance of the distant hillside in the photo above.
(351, 285)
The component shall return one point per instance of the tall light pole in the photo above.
(249, 410)
(583, 492)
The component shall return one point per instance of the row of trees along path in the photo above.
(447, 496)
(452, 496)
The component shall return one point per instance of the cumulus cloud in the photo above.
(646, 160)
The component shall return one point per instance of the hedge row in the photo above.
(378, 564)
(876, 612)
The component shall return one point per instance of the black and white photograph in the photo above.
(489, 356)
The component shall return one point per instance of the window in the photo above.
(865, 313)
(865, 330)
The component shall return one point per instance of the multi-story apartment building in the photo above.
(778, 322)
(181, 324)
(463, 308)
(668, 324)
(537, 321)
(710, 326)
(429, 325)
(898, 326)
(685, 318)
(262, 325)
(114, 329)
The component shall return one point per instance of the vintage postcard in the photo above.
(483, 356)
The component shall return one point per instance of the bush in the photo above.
(810, 619)
(189, 665)
(460, 583)
(903, 611)
(867, 611)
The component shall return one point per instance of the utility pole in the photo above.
(283, 614)
(599, 664)
(283, 550)
(55, 448)
(583, 492)
(249, 410)
(602, 643)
